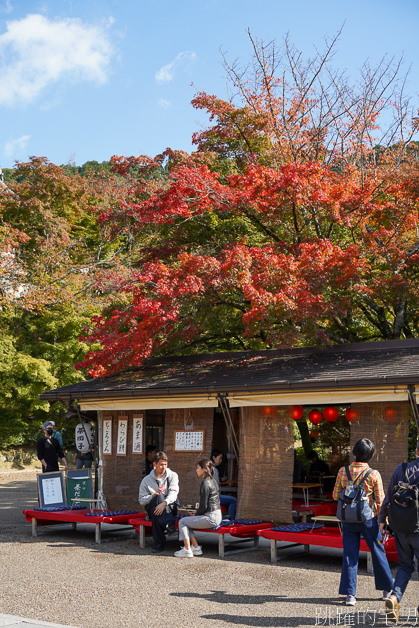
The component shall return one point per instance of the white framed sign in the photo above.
(137, 434)
(189, 440)
(121, 443)
(107, 436)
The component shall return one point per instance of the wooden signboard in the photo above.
(189, 440)
(51, 489)
(79, 484)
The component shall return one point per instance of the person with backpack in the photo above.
(359, 492)
(401, 507)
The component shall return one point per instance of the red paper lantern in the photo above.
(269, 411)
(331, 414)
(296, 412)
(315, 417)
(390, 415)
(352, 415)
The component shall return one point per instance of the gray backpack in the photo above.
(353, 504)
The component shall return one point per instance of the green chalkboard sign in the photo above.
(79, 484)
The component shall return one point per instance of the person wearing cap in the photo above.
(49, 450)
(55, 433)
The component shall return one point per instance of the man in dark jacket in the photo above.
(48, 448)
(407, 544)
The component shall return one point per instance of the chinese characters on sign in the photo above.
(107, 436)
(190, 441)
(137, 434)
(121, 443)
(84, 437)
(52, 489)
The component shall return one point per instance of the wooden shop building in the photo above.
(243, 403)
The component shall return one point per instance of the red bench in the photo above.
(236, 531)
(324, 537)
(40, 517)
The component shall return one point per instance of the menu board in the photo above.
(51, 489)
(190, 440)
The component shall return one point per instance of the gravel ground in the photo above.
(63, 576)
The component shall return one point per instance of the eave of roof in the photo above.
(236, 366)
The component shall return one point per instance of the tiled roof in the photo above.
(362, 364)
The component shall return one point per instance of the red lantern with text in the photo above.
(315, 417)
(331, 414)
(352, 415)
(296, 412)
(390, 415)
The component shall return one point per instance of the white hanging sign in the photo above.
(137, 434)
(107, 436)
(121, 443)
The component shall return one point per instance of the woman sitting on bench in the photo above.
(208, 514)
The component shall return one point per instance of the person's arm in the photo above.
(40, 453)
(173, 484)
(145, 494)
(65, 462)
(204, 493)
(338, 484)
(383, 513)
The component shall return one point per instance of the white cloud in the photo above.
(36, 52)
(163, 103)
(167, 72)
(14, 148)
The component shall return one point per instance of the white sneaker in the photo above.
(197, 551)
(386, 594)
(350, 600)
(184, 553)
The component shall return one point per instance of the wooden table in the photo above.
(328, 518)
(306, 486)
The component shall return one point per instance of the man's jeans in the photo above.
(87, 463)
(158, 522)
(407, 548)
(351, 542)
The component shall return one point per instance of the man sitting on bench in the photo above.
(158, 490)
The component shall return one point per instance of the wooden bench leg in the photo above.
(142, 537)
(221, 545)
(74, 525)
(369, 563)
(34, 527)
(306, 548)
(274, 551)
(97, 533)
(256, 542)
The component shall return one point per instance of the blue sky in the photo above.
(87, 79)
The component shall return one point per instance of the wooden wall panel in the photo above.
(122, 475)
(184, 463)
(266, 464)
(390, 439)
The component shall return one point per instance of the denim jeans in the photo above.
(87, 463)
(231, 502)
(407, 548)
(351, 542)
